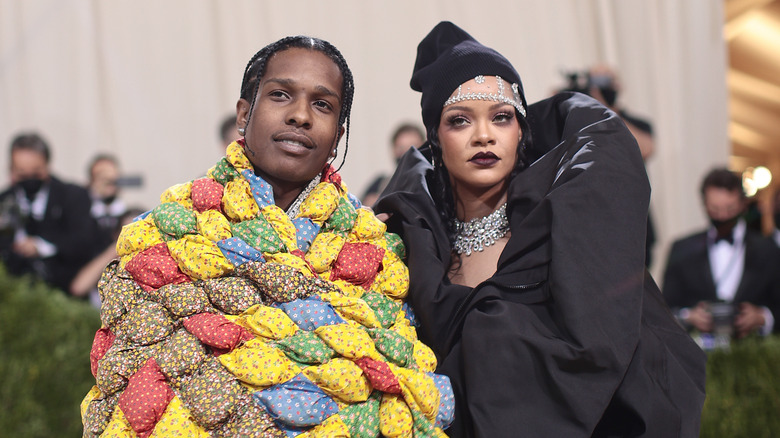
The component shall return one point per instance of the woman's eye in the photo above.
(503, 117)
(458, 121)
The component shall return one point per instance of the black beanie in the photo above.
(448, 57)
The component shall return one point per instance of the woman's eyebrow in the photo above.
(456, 108)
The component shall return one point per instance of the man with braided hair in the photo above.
(261, 300)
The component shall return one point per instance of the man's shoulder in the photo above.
(690, 240)
(8, 192)
(57, 184)
(685, 248)
(756, 241)
(68, 194)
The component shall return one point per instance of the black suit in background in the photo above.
(67, 224)
(688, 277)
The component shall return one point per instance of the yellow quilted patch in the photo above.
(269, 322)
(348, 341)
(138, 236)
(199, 257)
(321, 203)
(340, 378)
(259, 364)
(395, 418)
(237, 201)
(118, 426)
(181, 193)
(213, 225)
(177, 421)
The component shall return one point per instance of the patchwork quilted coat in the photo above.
(224, 317)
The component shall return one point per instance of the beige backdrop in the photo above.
(150, 80)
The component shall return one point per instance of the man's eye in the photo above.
(323, 104)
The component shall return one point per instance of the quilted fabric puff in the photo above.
(232, 295)
(259, 364)
(206, 194)
(297, 402)
(145, 399)
(340, 378)
(211, 394)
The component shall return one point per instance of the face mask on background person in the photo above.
(725, 224)
(30, 186)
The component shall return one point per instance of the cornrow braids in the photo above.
(255, 69)
(441, 188)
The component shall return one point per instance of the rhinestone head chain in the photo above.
(478, 233)
(499, 96)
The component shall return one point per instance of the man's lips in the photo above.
(294, 139)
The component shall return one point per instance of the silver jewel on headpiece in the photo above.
(478, 233)
(295, 207)
(479, 79)
(495, 97)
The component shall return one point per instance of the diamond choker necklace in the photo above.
(480, 232)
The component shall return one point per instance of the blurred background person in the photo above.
(50, 232)
(406, 135)
(107, 208)
(228, 131)
(84, 284)
(727, 263)
(603, 84)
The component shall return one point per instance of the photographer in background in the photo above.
(726, 263)
(48, 230)
(601, 83)
(107, 208)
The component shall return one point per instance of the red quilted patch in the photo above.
(206, 194)
(330, 175)
(102, 342)
(144, 400)
(154, 267)
(216, 331)
(379, 374)
(358, 263)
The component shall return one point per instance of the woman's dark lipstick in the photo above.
(484, 158)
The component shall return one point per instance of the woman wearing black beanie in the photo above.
(524, 228)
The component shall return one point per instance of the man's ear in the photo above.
(336, 143)
(242, 113)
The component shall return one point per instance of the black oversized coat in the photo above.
(570, 337)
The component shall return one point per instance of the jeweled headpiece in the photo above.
(498, 96)
(446, 58)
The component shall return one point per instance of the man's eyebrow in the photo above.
(327, 91)
(319, 88)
